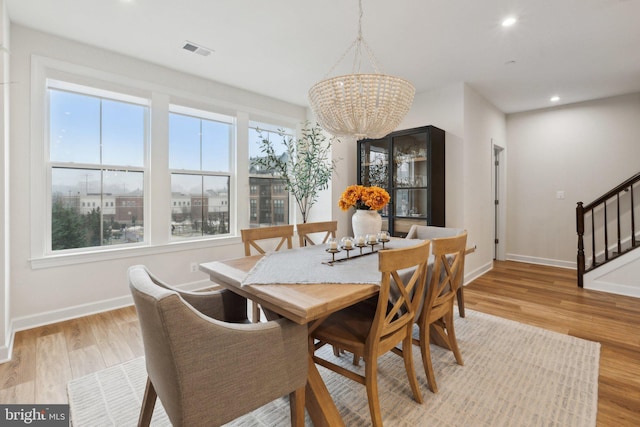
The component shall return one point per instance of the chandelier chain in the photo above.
(358, 43)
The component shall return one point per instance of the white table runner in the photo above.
(308, 266)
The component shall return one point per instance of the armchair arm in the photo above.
(218, 304)
(223, 305)
(234, 368)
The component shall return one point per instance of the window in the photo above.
(200, 144)
(269, 201)
(96, 151)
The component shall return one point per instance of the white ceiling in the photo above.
(578, 49)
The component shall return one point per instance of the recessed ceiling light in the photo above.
(509, 21)
(554, 98)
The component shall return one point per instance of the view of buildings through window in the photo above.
(97, 141)
(268, 197)
(199, 159)
(96, 158)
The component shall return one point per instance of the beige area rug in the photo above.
(514, 375)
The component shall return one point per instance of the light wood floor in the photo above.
(46, 358)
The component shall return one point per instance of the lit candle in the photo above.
(348, 244)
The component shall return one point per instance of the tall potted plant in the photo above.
(306, 167)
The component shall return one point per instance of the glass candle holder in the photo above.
(332, 244)
(372, 239)
(347, 242)
(360, 240)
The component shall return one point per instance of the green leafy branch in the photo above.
(307, 167)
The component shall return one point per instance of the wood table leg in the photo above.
(320, 406)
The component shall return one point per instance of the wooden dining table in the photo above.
(306, 304)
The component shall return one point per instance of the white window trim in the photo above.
(43, 68)
(84, 90)
(274, 126)
(50, 165)
(204, 114)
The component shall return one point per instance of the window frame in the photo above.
(156, 157)
(101, 94)
(205, 114)
(273, 128)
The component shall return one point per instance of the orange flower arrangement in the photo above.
(361, 197)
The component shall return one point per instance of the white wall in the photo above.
(470, 123)
(483, 123)
(583, 149)
(50, 294)
(5, 289)
(444, 108)
(346, 174)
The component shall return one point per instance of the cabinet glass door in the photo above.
(410, 176)
(374, 170)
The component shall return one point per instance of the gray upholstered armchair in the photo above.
(207, 371)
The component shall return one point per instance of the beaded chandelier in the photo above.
(361, 105)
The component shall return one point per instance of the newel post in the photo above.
(580, 230)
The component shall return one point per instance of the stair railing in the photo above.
(593, 209)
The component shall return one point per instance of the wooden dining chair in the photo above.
(329, 229)
(436, 316)
(370, 330)
(251, 237)
(429, 232)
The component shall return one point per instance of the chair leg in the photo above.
(425, 350)
(408, 365)
(460, 298)
(296, 402)
(453, 342)
(356, 360)
(255, 310)
(148, 403)
(371, 382)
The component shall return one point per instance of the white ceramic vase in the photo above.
(366, 222)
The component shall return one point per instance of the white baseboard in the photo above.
(55, 316)
(613, 288)
(543, 261)
(473, 275)
(7, 348)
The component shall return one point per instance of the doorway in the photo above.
(498, 176)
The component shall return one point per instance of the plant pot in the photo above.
(366, 222)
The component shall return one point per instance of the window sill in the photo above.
(52, 261)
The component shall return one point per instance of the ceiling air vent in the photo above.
(200, 50)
